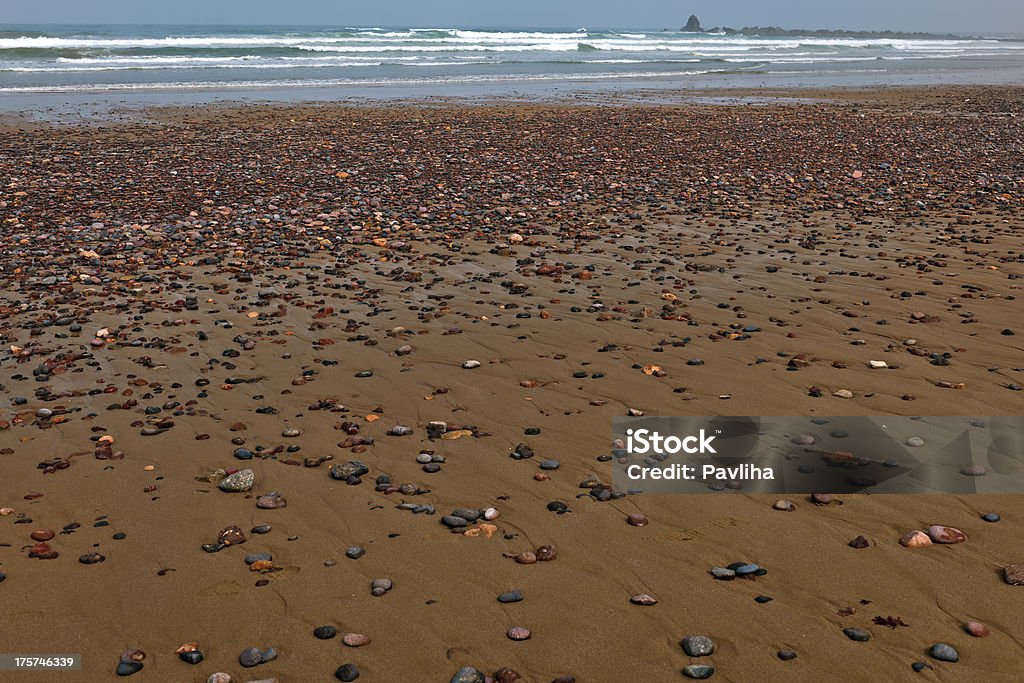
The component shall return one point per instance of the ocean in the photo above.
(55, 59)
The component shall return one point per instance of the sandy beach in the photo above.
(400, 335)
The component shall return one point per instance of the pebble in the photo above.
(506, 675)
(699, 671)
(325, 632)
(1014, 574)
(231, 535)
(636, 519)
(250, 657)
(515, 595)
(859, 635)
(355, 639)
(643, 599)
(128, 668)
(976, 629)
(347, 672)
(944, 653)
(191, 657)
(219, 677)
(946, 534)
(470, 364)
(786, 655)
(271, 501)
(991, 517)
(915, 442)
(91, 558)
(784, 505)
(240, 481)
(973, 471)
(519, 633)
(355, 552)
(698, 646)
(915, 539)
(821, 498)
(468, 674)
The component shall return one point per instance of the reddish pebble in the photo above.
(946, 534)
(976, 629)
(42, 535)
(636, 519)
(355, 639)
(643, 599)
(519, 633)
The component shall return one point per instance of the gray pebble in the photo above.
(698, 646)
(944, 653)
(251, 656)
(859, 635)
(699, 671)
(238, 482)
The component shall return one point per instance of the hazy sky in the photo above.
(977, 16)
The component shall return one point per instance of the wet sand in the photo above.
(217, 276)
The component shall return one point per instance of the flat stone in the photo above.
(857, 634)
(515, 595)
(699, 671)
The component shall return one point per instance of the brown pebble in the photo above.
(231, 535)
(1014, 574)
(42, 535)
(915, 539)
(506, 675)
(526, 558)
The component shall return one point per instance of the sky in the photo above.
(961, 16)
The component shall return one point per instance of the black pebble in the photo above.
(347, 672)
(128, 668)
(193, 657)
(325, 632)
